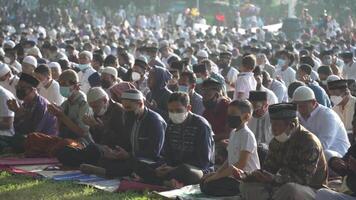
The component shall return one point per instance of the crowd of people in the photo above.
(250, 114)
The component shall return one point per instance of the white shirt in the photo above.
(243, 140)
(52, 93)
(280, 90)
(261, 127)
(245, 83)
(271, 97)
(10, 84)
(347, 114)
(349, 71)
(287, 75)
(328, 127)
(6, 95)
(83, 79)
(231, 76)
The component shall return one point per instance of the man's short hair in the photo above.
(180, 97)
(98, 58)
(191, 76)
(243, 105)
(43, 69)
(293, 86)
(306, 68)
(249, 62)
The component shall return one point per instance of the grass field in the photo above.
(25, 188)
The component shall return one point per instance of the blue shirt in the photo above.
(320, 94)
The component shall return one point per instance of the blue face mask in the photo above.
(199, 80)
(281, 62)
(82, 66)
(183, 88)
(65, 91)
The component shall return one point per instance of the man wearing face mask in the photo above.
(287, 172)
(72, 111)
(349, 69)
(321, 121)
(48, 87)
(229, 73)
(86, 71)
(344, 102)
(189, 147)
(106, 127)
(139, 75)
(7, 79)
(203, 72)
(284, 71)
(32, 115)
(260, 123)
(215, 109)
(324, 72)
(187, 83)
(108, 78)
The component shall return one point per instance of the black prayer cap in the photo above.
(226, 54)
(199, 68)
(29, 79)
(338, 84)
(282, 111)
(212, 83)
(151, 49)
(326, 53)
(347, 55)
(257, 96)
(141, 63)
(324, 70)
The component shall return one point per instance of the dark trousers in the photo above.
(226, 186)
(74, 157)
(15, 142)
(182, 173)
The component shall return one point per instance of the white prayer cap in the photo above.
(107, 50)
(4, 69)
(22, 25)
(202, 54)
(95, 94)
(30, 60)
(111, 71)
(2, 52)
(87, 54)
(86, 38)
(34, 51)
(9, 44)
(133, 94)
(333, 78)
(55, 65)
(303, 93)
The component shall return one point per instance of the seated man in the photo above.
(188, 147)
(346, 167)
(344, 102)
(71, 113)
(260, 123)
(288, 173)
(242, 153)
(32, 115)
(134, 141)
(321, 121)
(187, 83)
(6, 118)
(105, 126)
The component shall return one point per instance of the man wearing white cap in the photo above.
(86, 70)
(29, 64)
(106, 127)
(56, 70)
(321, 121)
(7, 79)
(6, 115)
(11, 59)
(108, 78)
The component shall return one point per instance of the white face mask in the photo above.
(178, 118)
(7, 60)
(135, 76)
(336, 99)
(282, 137)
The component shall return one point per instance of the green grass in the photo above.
(19, 187)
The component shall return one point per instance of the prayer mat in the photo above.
(27, 161)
